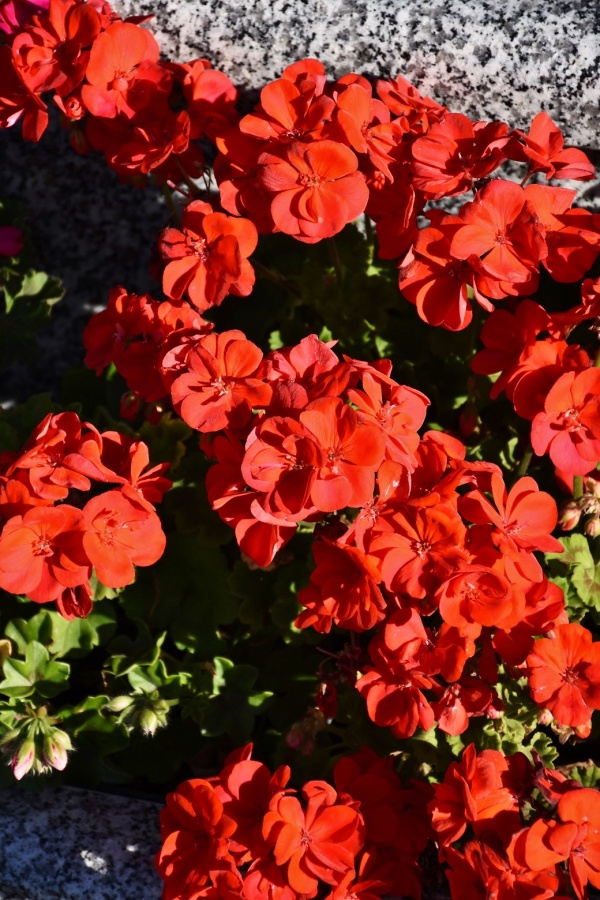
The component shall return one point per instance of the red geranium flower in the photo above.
(208, 259)
(42, 553)
(317, 844)
(343, 589)
(118, 533)
(500, 228)
(317, 188)
(569, 427)
(123, 72)
(564, 674)
(220, 387)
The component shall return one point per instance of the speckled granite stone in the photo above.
(484, 58)
(69, 844)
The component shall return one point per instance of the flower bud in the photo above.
(545, 717)
(119, 704)
(148, 721)
(5, 651)
(55, 749)
(130, 406)
(569, 516)
(24, 759)
(592, 527)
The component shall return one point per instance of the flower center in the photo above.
(312, 180)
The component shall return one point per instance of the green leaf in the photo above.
(36, 674)
(586, 579)
(577, 550)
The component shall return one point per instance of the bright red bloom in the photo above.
(44, 457)
(18, 102)
(569, 427)
(575, 837)
(478, 594)
(542, 149)
(456, 151)
(435, 281)
(289, 112)
(303, 373)
(49, 54)
(210, 99)
(123, 72)
(118, 534)
(398, 410)
(572, 235)
(195, 834)
(473, 792)
(481, 872)
(236, 172)
(393, 686)
(501, 230)
(119, 459)
(403, 99)
(538, 370)
(281, 460)
(420, 548)
(522, 520)
(259, 538)
(366, 125)
(564, 674)
(316, 188)
(149, 146)
(351, 453)
(508, 338)
(220, 387)
(246, 788)
(208, 259)
(343, 590)
(41, 553)
(316, 844)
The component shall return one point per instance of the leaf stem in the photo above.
(335, 259)
(525, 462)
(171, 205)
(275, 277)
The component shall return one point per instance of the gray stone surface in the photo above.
(70, 844)
(504, 59)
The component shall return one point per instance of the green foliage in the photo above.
(578, 574)
(26, 295)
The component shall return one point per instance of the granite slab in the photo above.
(486, 59)
(69, 844)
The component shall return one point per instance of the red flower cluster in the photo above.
(49, 546)
(438, 555)
(115, 95)
(549, 381)
(144, 338)
(484, 797)
(493, 249)
(244, 834)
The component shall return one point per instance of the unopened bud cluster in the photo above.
(35, 744)
(586, 506)
(140, 710)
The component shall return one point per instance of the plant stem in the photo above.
(275, 277)
(171, 205)
(525, 462)
(335, 259)
(577, 487)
